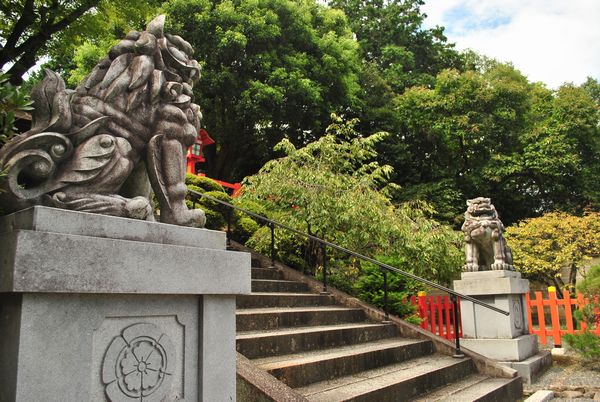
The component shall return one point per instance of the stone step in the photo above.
(256, 344)
(254, 319)
(305, 368)
(278, 285)
(476, 387)
(283, 300)
(396, 382)
(265, 273)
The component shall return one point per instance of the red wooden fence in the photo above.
(437, 314)
(556, 328)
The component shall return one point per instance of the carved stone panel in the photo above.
(138, 365)
(143, 358)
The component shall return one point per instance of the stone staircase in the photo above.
(326, 351)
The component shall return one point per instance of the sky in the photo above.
(553, 41)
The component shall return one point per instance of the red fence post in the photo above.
(539, 302)
(423, 309)
(447, 308)
(440, 316)
(568, 312)
(553, 303)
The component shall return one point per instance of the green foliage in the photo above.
(271, 69)
(32, 29)
(214, 219)
(289, 249)
(543, 246)
(491, 132)
(204, 183)
(391, 35)
(244, 228)
(369, 287)
(12, 100)
(219, 212)
(586, 343)
(332, 189)
(216, 213)
(590, 286)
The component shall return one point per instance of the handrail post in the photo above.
(272, 227)
(385, 295)
(324, 254)
(457, 352)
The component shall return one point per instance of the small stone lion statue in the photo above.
(119, 136)
(485, 248)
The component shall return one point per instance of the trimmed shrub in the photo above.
(204, 183)
(244, 228)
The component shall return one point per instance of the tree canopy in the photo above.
(544, 246)
(31, 29)
(493, 133)
(273, 69)
(334, 189)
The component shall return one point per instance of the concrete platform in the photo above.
(96, 308)
(533, 367)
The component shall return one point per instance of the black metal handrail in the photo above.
(324, 243)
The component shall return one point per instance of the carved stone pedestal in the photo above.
(495, 335)
(98, 308)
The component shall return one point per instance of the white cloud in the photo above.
(553, 41)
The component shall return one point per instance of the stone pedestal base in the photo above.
(98, 308)
(503, 289)
(531, 368)
(500, 337)
(516, 349)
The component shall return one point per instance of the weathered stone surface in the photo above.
(515, 349)
(531, 368)
(94, 318)
(541, 396)
(484, 284)
(45, 219)
(120, 135)
(485, 246)
(572, 394)
(41, 257)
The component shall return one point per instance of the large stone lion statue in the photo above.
(123, 133)
(485, 248)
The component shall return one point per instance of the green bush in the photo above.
(204, 183)
(216, 206)
(369, 287)
(216, 213)
(214, 220)
(244, 228)
(288, 247)
(586, 343)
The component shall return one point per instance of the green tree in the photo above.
(391, 35)
(592, 87)
(272, 69)
(493, 133)
(333, 189)
(31, 29)
(13, 100)
(452, 133)
(543, 246)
